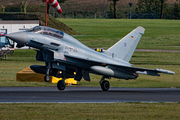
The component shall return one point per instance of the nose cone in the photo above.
(19, 37)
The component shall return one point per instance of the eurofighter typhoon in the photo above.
(66, 57)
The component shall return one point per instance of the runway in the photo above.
(87, 95)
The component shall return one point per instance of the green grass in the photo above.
(23, 55)
(15, 63)
(8, 70)
(159, 34)
(155, 58)
(91, 111)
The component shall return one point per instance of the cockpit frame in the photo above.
(47, 31)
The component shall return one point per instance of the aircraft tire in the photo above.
(105, 85)
(46, 78)
(61, 85)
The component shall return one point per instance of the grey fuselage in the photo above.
(69, 46)
(61, 51)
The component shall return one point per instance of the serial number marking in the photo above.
(70, 48)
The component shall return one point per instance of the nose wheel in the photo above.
(61, 85)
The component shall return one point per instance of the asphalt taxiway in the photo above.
(87, 95)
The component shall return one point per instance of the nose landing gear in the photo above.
(46, 77)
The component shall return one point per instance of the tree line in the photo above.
(159, 7)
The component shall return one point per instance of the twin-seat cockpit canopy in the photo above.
(47, 31)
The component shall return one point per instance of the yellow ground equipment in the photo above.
(28, 75)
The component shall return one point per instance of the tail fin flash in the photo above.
(125, 48)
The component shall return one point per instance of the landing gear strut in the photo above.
(104, 84)
(46, 77)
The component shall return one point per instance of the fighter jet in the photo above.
(66, 57)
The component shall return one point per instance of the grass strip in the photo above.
(91, 111)
(159, 34)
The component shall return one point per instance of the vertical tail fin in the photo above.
(125, 48)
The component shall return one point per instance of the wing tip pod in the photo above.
(140, 29)
(165, 71)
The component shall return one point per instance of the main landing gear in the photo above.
(104, 84)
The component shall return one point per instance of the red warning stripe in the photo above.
(55, 5)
